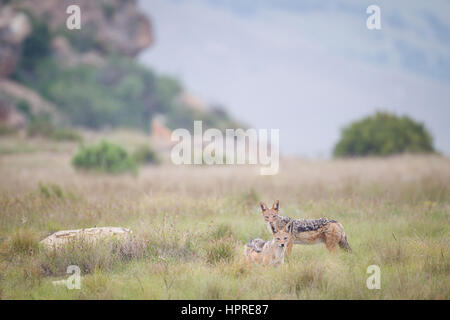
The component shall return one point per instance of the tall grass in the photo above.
(191, 223)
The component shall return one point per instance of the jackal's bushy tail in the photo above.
(254, 245)
(344, 244)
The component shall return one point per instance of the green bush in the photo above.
(384, 134)
(144, 154)
(104, 157)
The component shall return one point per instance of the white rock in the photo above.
(90, 235)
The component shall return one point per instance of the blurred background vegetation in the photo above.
(95, 83)
(73, 101)
(90, 79)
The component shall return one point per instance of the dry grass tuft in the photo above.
(221, 250)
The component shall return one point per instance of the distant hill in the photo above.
(89, 77)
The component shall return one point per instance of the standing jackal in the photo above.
(307, 231)
(269, 252)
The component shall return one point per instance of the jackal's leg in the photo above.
(331, 240)
(330, 244)
(332, 236)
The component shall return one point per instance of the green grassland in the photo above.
(190, 225)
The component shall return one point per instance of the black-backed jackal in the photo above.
(269, 252)
(307, 231)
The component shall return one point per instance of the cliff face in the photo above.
(108, 31)
(14, 28)
(107, 27)
(87, 77)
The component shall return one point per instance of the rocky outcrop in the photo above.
(113, 26)
(17, 91)
(59, 239)
(13, 91)
(14, 28)
(127, 33)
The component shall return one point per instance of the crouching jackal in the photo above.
(269, 252)
(307, 231)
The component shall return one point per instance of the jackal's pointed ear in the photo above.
(263, 206)
(276, 205)
(288, 228)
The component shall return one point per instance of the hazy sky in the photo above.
(308, 68)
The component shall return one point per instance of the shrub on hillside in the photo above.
(104, 157)
(119, 93)
(145, 154)
(383, 134)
